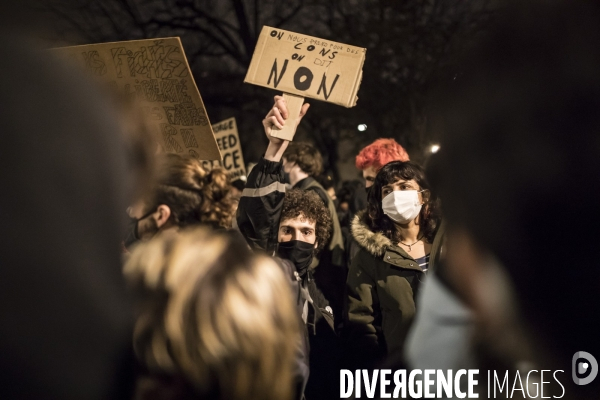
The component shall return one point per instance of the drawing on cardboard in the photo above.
(154, 73)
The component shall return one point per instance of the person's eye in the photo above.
(307, 232)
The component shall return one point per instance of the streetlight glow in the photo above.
(434, 148)
(362, 127)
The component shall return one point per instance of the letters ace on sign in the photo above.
(306, 66)
(155, 74)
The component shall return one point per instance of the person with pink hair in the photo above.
(370, 160)
(376, 155)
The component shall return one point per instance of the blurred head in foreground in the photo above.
(519, 177)
(66, 180)
(376, 155)
(216, 321)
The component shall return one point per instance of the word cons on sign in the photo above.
(304, 66)
(307, 66)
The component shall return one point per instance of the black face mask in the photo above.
(132, 236)
(286, 177)
(298, 252)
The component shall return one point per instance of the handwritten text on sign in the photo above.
(155, 74)
(307, 66)
(228, 140)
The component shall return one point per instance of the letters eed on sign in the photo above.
(228, 139)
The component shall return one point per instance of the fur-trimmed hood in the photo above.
(374, 242)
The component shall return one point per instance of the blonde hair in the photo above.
(216, 314)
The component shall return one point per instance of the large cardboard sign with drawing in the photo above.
(155, 74)
(228, 139)
(306, 66)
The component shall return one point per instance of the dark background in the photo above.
(411, 45)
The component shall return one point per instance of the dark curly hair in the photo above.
(308, 204)
(430, 215)
(306, 156)
(193, 194)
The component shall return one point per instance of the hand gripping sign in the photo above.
(305, 66)
(155, 74)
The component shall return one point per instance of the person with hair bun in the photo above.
(184, 194)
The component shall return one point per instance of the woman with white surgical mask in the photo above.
(396, 236)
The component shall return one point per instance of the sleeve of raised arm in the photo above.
(260, 206)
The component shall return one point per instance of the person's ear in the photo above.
(162, 215)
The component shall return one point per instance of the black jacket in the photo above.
(330, 271)
(258, 216)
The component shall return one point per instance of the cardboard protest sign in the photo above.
(306, 66)
(155, 74)
(228, 140)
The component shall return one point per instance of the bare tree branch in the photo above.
(291, 15)
(242, 17)
(409, 43)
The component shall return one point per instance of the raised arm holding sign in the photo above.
(305, 66)
(275, 121)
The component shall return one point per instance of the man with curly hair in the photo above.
(303, 217)
(294, 226)
(303, 163)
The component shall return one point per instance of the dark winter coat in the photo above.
(382, 287)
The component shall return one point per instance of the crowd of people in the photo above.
(266, 288)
